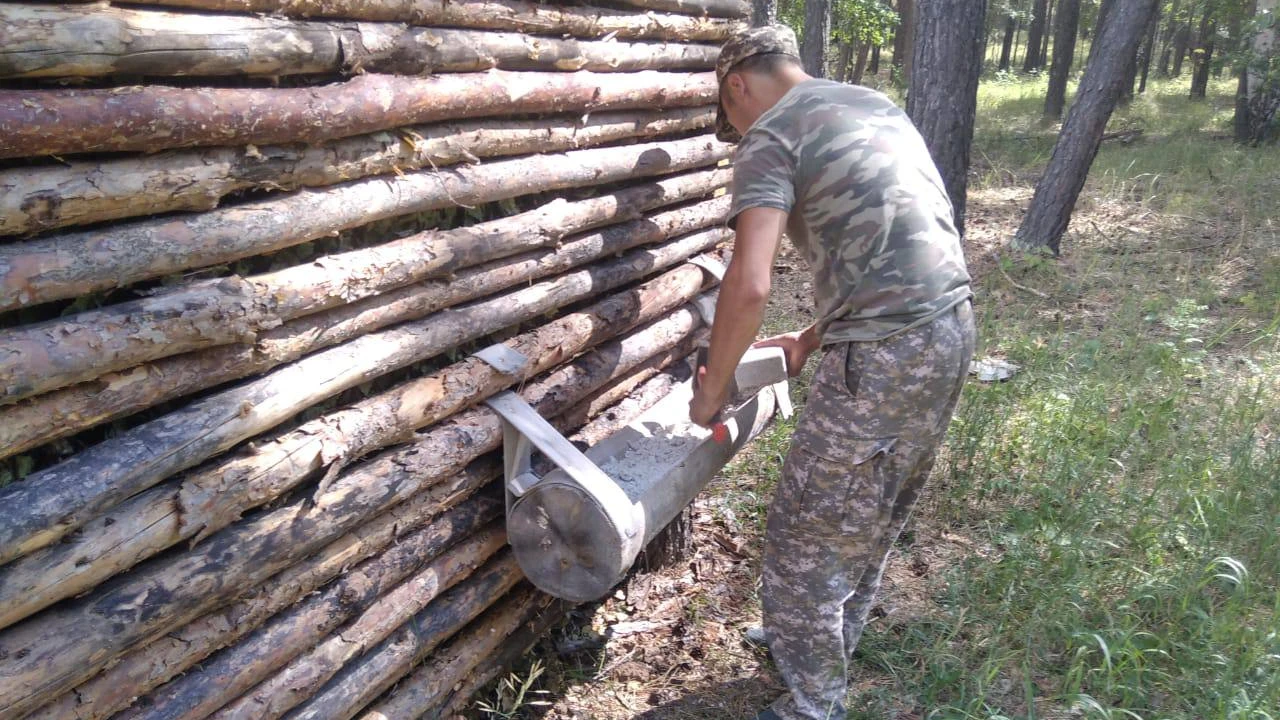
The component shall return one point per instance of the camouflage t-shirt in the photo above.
(866, 208)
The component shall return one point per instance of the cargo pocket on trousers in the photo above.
(833, 489)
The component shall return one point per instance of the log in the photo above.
(64, 646)
(57, 353)
(83, 192)
(73, 264)
(51, 502)
(150, 118)
(64, 412)
(500, 630)
(514, 15)
(735, 9)
(300, 640)
(148, 666)
(43, 41)
(362, 681)
(307, 672)
(210, 499)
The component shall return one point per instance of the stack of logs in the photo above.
(247, 248)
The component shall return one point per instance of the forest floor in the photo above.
(1101, 537)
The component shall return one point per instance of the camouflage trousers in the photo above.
(859, 458)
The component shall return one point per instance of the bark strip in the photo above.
(56, 41)
(515, 15)
(79, 193)
(73, 264)
(63, 412)
(152, 117)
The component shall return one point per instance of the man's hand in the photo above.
(706, 402)
(797, 346)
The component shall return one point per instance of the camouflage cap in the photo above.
(766, 40)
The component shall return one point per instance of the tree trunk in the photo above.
(80, 193)
(1148, 50)
(1202, 56)
(1045, 33)
(860, 64)
(817, 36)
(1181, 41)
(1055, 196)
(1064, 50)
(149, 666)
(764, 12)
(843, 62)
(908, 40)
(1017, 42)
(496, 633)
(513, 15)
(736, 9)
(215, 497)
(151, 118)
(62, 647)
(1006, 49)
(58, 41)
(60, 498)
(1166, 37)
(1099, 23)
(64, 266)
(943, 99)
(1263, 86)
(365, 273)
(875, 61)
(294, 657)
(58, 353)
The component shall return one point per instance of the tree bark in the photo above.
(294, 655)
(59, 499)
(843, 60)
(363, 680)
(79, 193)
(1064, 50)
(817, 37)
(363, 274)
(151, 118)
(1045, 33)
(498, 632)
(1033, 60)
(860, 64)
(57, 41)
(1055, 196)
(943, 98)
(72, 264)
(875, 60)
(146, 667)
(734, 9)
(764, 12)
(208, 500)
(1202, 56)
(1166, 37)
(61, 648)
(58, 353)
(513, 15)
(908, 39)
(1148, 51)
(1263, 87)
(1181, 41)
(1006, 49)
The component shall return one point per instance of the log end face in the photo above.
(565, 542)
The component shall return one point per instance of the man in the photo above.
(843, 171)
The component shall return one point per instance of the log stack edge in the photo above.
(247, 250)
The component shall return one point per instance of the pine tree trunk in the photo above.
(65, 646)
(1181, 41)
(736, 9)
(875, 61)
(72, 264)
(943, 98)
(1202, 56)
(151, 118)
(1064, 50)
(513, 15)
(57, 41)
(1006, 49)
(817, 37)
(1056, 193)
(1148, 51)
(1045, 34)
(365, 273)
(1035, 37)
(1166, 38)
(1100, 22)
(1264, 89)
(860, 64)
(764, 12)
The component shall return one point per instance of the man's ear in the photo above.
(736, 87)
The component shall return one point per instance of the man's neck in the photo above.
(782, 83)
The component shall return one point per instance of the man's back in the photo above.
(867, 208)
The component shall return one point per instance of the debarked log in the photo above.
(147, 666)
(515, 15)
(57, 353)
(214, 497)
(73, 264)
(58, 41)
(150, 118)
(82, 192)
(713, 8)
(60, 648)
(63, 412)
